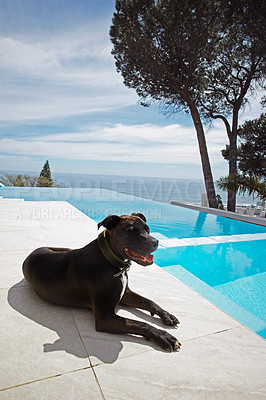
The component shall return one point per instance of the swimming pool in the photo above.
(222, 259)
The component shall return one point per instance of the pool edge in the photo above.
(223, 213)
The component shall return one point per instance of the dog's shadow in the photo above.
(75, 329)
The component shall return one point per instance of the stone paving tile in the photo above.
(21, 239)
(11, 267)
(16, 224)
(68, 238)
(106, 347)
(38, 339)
(229, 365)
(76, 385)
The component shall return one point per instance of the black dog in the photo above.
(95, 277)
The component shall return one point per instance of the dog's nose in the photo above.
(155, 243)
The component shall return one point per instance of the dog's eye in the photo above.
(132, 228)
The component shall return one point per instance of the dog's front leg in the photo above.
(115, 324)
(133, 299)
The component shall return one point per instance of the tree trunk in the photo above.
(231, 195)
(206, 167)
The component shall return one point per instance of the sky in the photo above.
(62, 100)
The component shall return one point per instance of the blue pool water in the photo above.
(230, 270)
(235, 272)
(170, 221)
(217, 264)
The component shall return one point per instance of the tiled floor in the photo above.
(50, 352)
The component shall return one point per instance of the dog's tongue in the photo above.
(149, 258)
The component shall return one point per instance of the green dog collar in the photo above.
(111, 256)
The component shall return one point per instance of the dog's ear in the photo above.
(140, 216)
(109, 222)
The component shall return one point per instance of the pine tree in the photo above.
(45, 179)
(46, 172)
(161, 49)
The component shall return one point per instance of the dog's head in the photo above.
(129, 237)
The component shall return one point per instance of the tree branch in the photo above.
(225, 121)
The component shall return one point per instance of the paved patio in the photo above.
(52, 352)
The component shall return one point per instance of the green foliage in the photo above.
(172, 50)
(238, 66)
(160, 50)
(252, 150)
(263, 102)
(43, 180)
(9, 179)
(244, 184)
(251, 153)
(219, 202)
(250, 16)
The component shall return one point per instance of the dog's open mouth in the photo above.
(146, 259)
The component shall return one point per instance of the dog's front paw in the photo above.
(168, 319)
(166, 341)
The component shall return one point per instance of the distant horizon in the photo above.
(165, 187)
(100, 174)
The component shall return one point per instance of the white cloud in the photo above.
(49, 105)
(60, 76)
(60, 56)
(137, 143)
(129, 133)
(61, 60)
